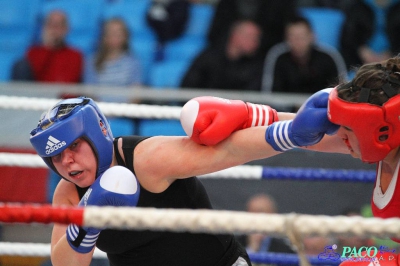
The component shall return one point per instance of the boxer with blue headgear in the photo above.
(69, 120)
(58, 129)
(153, 172)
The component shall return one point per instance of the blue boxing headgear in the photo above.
(69, 120)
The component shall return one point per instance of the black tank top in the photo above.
(153, 248)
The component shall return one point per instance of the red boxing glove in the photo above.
(379, 259)
(208, 120)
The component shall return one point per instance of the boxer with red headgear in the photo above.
(381, 119)
(368, 111)
(364, 116)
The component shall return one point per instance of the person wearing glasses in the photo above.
(74, 139)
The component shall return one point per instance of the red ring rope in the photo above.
(24, 213)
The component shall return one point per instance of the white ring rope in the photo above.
(238, 172)
(34, 250)
(139, 93)
(21, 160)
(214, 221)
(109, 109)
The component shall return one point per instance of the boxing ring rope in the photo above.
(237, 172)
(34, 250)
(43, 250)
(209, 221)
(143, 93)
(294, 226)
(200, 221)
(109, 109)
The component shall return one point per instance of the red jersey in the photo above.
(56, 65)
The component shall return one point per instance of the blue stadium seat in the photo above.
(326, 22)
(121, 126)
(84, 21)
(185, 48)
(200, 18)
(164, 127)
(18, 14)
(7, 59)
(83, 41)
(18, 20)
(143, 45)
(133, 12)
(15, 41)
(168, 74)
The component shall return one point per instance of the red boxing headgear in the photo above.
(377, 128)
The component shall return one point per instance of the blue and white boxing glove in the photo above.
(307, 128)
(117, 186)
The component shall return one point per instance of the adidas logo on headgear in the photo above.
(54, 144)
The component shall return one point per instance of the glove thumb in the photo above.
(332, 129)
(322, 100)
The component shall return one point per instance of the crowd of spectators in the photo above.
(255, 45)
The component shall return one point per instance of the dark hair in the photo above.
(103, 50)
(299, 20)
(238, 23)
(374, 83)
(60, 11)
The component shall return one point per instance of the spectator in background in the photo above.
(233, 66)
(298, 65)
(52, 60)
(168, 18)
(257, 242)
(113, 64)
(270, 15)
(371, 32)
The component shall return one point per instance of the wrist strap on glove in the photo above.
(81, 240)
(260, 115)
(279, 136)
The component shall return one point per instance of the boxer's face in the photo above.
(77, 163)
(350, 139)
